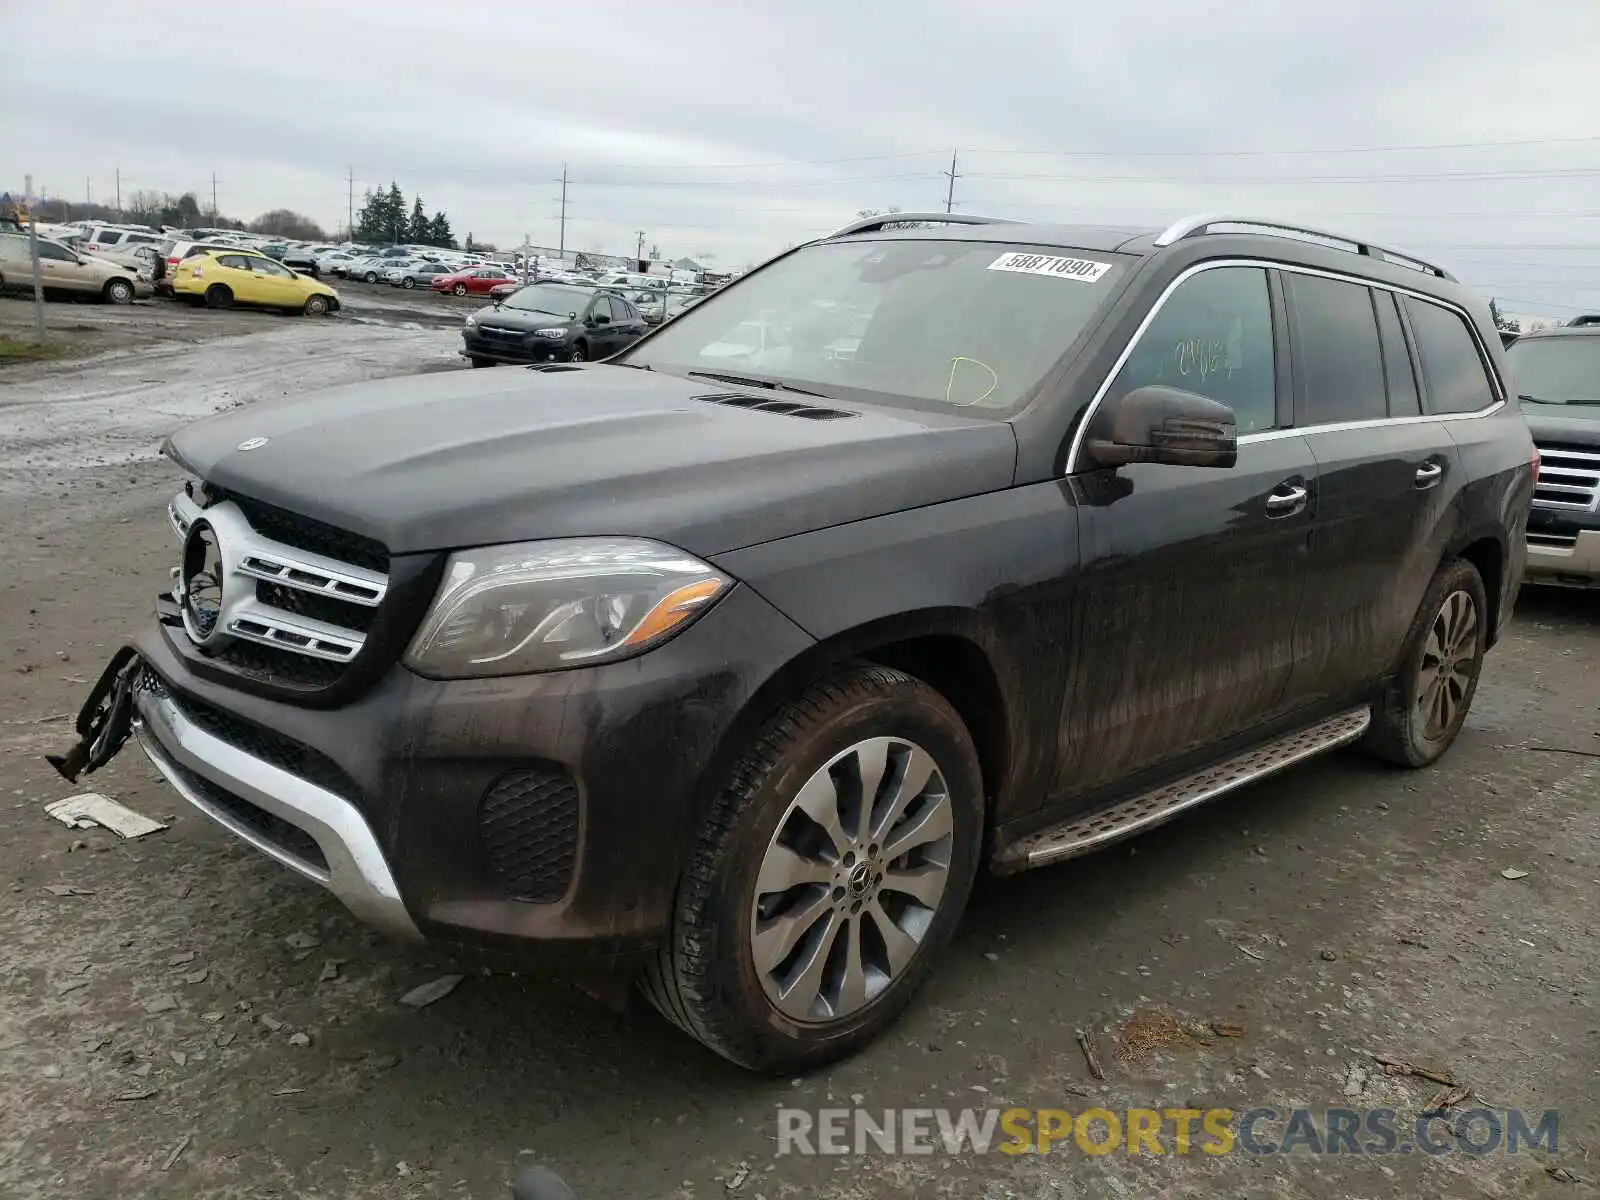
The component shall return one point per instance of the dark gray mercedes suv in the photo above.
(938, 545)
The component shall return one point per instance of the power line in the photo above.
(1486, 145)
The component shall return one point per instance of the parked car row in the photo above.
(63, 269)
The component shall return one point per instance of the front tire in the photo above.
(482, 362)
(372, 277)
(829, 873)
(1423, 707)
(119, 291)
(578, 353)
(460, 289)
(408, 283)
(315, 306)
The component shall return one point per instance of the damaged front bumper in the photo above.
(323, 836)
(306, 828)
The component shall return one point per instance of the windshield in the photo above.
(542, 298)
(1556, 370)
(968, 324)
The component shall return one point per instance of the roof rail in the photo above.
(1201, 223)
(871, 224)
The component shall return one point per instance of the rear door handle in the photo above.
(1285, 500)
(1429, 474)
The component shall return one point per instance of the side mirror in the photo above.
(1156, 424)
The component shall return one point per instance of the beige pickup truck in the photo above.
(61, 269)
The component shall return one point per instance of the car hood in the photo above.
(1567, 424)
(519, 319)
(473, 458)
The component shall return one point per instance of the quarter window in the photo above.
(1336, 349)
(1213, 336)
(1397, 369)
(1451, 364)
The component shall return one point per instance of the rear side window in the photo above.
(1451, 364)
(1213, 337)
(1337, 352)
(1397, 369)
(235, 262)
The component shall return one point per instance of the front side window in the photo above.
(265, 266)
(1213, 336)
(1564, 369)
(1451, 364)
(1337, 351)
(965, 324)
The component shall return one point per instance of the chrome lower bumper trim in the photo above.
(1577, 565)
(357, 872)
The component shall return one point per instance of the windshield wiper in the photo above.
(751, 381)
(634, 365)
(1530, 398)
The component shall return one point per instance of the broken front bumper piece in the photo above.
(304, 827)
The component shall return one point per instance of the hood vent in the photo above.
(783, 408)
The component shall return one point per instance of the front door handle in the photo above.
(1285, 500)
(1429, 474)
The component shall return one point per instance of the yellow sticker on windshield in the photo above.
(1082, 269)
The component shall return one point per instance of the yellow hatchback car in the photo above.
(223, 278)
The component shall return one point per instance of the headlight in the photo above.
(471, 320)
(543, 606)
(553, 334)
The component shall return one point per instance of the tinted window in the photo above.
(1336, 345)
(1213, 336)
(1397, 370)
(56, 253)
(1451, 365)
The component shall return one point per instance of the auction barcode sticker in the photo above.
(1082, 269)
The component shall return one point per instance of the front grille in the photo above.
(1569, 479)
(305, 533)
(489, 333)
(528, 823)
(297, 597)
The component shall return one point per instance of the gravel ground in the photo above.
(151, 1019)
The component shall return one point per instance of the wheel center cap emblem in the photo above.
(254, 443)
(859, 877)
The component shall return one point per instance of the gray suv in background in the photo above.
(1556, 374)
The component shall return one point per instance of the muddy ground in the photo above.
(149, 1019)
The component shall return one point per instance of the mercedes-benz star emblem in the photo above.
(254, 443)
(199, 590)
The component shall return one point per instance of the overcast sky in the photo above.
(728, 131)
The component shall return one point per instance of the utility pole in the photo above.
(213, 197)
(561, 251)
(640, 256)
(88, 194)
(525, 265)
(950, 192)
(119, 193)
(350, 223)
(33, 253)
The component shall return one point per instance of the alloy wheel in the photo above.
(1449, 661)
(851, 880)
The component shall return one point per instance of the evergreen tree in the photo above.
(439, 232)
(419, 229)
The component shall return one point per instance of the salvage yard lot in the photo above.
(151, 1017)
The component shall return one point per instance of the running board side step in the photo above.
(1092, 830)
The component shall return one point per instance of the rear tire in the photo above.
(219, 296)
(1423, 707)
(119, 291)
(771, 890)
